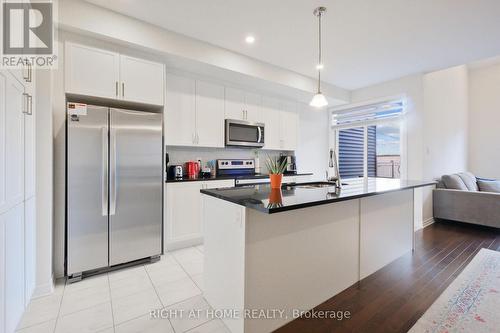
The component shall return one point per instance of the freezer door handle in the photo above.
(112, 169)
(104, 175)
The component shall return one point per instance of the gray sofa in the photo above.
(463, 197)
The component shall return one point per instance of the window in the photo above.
(369, 140)
(388, 150)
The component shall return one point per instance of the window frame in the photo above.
(403, 142)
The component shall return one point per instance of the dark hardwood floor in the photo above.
(395, 297)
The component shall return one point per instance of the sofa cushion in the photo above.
(469, 180)
(454, 182)
(489, 185)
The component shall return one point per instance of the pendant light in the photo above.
(319, 100)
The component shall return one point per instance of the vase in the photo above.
(276, 180)
(275, 196)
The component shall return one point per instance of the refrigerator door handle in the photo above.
(112, 168)
(104, 179)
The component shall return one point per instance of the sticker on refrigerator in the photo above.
(77, 109)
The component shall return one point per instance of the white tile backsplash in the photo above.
(180, 155)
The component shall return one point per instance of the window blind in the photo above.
(351, 152)
(366, 114)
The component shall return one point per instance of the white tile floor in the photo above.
(121, 301)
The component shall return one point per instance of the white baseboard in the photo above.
(428, 222)
(182, 244)
(44, 289)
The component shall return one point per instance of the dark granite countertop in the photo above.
(255, 176)
(262, 198)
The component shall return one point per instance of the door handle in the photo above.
(260, 134)
(104, 174)
(123, 89)
(112, 169)
(116, 88)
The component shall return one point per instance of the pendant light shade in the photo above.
(319, 100)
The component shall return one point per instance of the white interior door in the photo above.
(29, 247)
(271, 116)
(3, 220)
(14, 267)
(14, 141)
(209, 114)
(142, 80)
(92, 72)
(3, 131)
(180, 121)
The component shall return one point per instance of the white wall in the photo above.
(436, 126)
(484, 120)
(445, 121)
(312, 149)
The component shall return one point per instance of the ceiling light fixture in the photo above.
(250, 39)
(319, 100)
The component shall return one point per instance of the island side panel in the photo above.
(224, 253)
(386, 229)
(299, 259)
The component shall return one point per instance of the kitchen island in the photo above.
(279, 252)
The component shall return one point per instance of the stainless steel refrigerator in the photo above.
(114, 187)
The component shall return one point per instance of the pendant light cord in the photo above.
(319, 53)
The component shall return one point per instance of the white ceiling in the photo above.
(365, 41)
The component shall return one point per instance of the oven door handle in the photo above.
(260, 134)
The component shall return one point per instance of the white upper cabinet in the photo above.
(243, 105)
(253, 107)
(209, 114)
(289, 126)
(141, 80)
(180, 116)
(271, 115)
(92, 72)
(235, 104)
(194, 113)
(100, 73)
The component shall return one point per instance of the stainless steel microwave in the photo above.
(244, 133)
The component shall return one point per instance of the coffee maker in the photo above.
(291, 166)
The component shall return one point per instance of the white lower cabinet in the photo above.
(182, 227)
(296, 179)
(14, 283)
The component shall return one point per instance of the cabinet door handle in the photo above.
(116, 88)
(197, 138)
(30, 105)
(25, 103)
(123, 89)
(30, 72)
